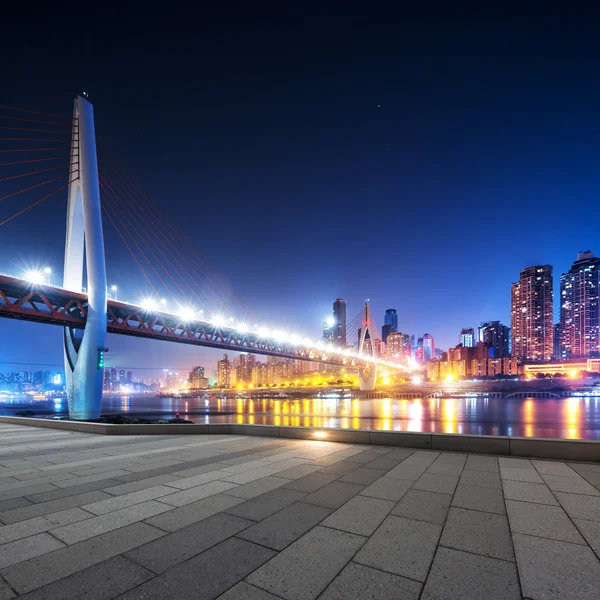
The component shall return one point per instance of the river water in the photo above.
(572, 418)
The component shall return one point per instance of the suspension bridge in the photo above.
(46, 155)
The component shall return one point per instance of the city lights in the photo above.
(320, 434)
(34, 277)
(417, 379)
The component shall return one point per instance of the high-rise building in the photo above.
(467, 338)
(197, 379)
(339, 322)
(390, 323)
(428, 347)
(531, 314)
(224, 372)
(497, 337)
(557, 354)
(328, 329)
(579, 308)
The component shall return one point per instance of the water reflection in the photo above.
(573, 418)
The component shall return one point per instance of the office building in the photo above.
(428, 347)
(579, 308)
(467, 338)
(328, 330)
(197, 379)
(339, 322)
(531, 314)
(496, 337)
(390, 323)
(557, 354)
(224, 372)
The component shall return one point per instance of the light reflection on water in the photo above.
(573, 418)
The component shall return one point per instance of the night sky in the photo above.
(419, 159)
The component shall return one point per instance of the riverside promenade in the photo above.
(94, 517)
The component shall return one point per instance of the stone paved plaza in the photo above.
(232, 517)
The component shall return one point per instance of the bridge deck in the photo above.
(246, 517)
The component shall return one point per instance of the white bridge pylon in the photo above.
(367, 374)
(84, 353)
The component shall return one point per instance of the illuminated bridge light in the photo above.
(186, 313)
(218, 321)
(148, 304)
(34, 277)
(241, 328)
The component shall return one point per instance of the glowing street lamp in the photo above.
(148, 304)
(47, 273)
(34, 277)
(113, 289)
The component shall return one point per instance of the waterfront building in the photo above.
(579, 308)
(428, 347)
(557, 353)
(224, 372)
(495, 336)
(531, 314)
(197, 379)
(390, 323)
(339, 322)
(328, 329)
(467, 337)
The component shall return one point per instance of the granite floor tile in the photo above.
(570, 485)
(108, 579)
(384, 463)
(299, 471)
(482, 463)
(334, 494)
(74, 490)
(528, 492)
(341, 468)
(362, 476)
(26, 548)
(387, 488)
(360, 515)
(489, 479)
(442, 484)
(136, 486)
(578, 506)
(517, 463)
(410, 472)
(202, 491)
(479, 498)
(207, 575)
(258, 487)
(245, 591)
(365, 583)
(285, 575)
(286, 526)
(5, 592)
(312, 482)
(264, 505)
(166, 552)
(527, 475)
(478, 532)
(401, 546)
(551, 569)
(591, 532)
(423, 506)
(42, 570)
(542, 520)
(126, 500)
(456, 574)
(547, 467)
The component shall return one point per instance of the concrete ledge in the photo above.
(581, 450)
(482, 444)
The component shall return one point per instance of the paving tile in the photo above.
(245, 591)
(286, 526)
(71, 491)
(362, 476)
(341, 468)
(361, 515)
(125, 500)
(387, 488)
(202, 491)
(299, 471)
(401, 546)
(312, 482)
(14, 503)
(542, 520)
(456, 574)
(166, 552)
(46, 508)
(479, 532)
(482, 463)
(264, 505)
(528, 475)
(421, 458)
(479, 498)
(546, 467)
(185, 483)
(550, 569)
(249, 476)
(591, 532)
(442, 484)
(207, 575)
(26, 548)
(360, 581)
(489, 479)
(423, 506)
(45, 569)
(570, 485)
(286, 574)
(579, 506)
(177, 518)
(517, 463)
(22, 529)
(136, 486)
(24, 491)
(401, 453)
(258, 487)
(108, 579)
(334, 494)
(528, 492)
(77, 532)
(384, 463)
(410, 472)
(5, 592)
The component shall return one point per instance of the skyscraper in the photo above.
(224, 372)
(579, 308)
(328, 329)
(467, 338)
(339, 322)
(531, 314)
(497, 337)
(428, 347)
(390, 323)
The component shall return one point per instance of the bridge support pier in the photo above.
(367, 375)
(84, 351)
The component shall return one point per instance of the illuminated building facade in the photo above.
(390, 323)
(531, 314)
(467, 338)
(224, 372)
(197, 379)
(339, 322)
(579, 308)
(428, 347)
(496, 337)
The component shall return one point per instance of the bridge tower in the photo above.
(367, 375)
(84, 349)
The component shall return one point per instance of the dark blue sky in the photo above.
(417, 159)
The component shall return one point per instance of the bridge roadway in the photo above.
(57, 306)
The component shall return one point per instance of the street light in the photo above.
(113, 289)
(47, 272)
